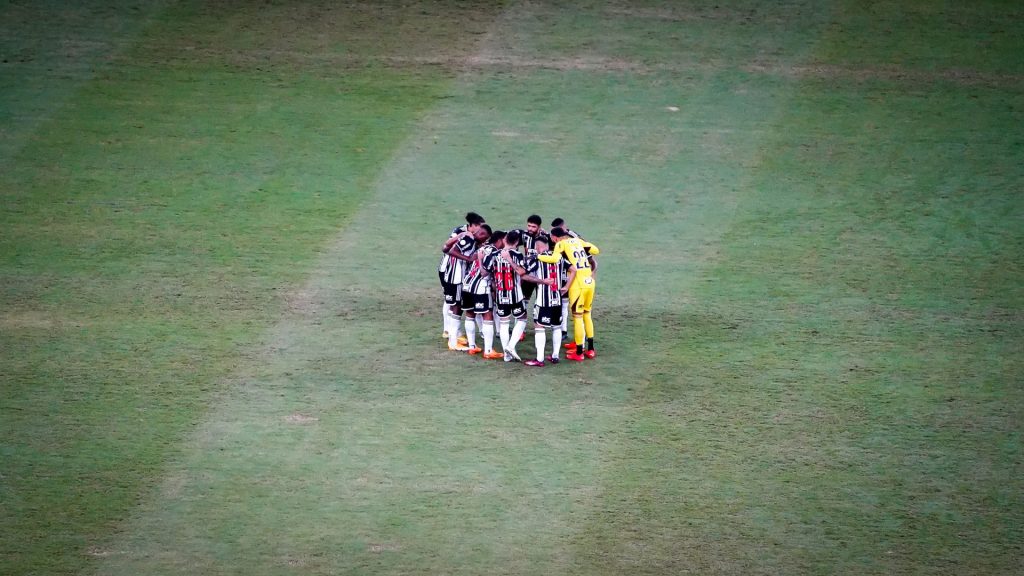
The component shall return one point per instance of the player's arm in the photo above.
(456, 252)
(452, 240)
(554, 257)
(523, 274)
(568, 280)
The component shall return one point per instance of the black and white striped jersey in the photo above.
(452, 268)
(528, 242)
(444, 257)
(478, 280)
(507, 289)
(547, 295)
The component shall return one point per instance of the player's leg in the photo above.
(542, 322)
(519, 328)
(488, 332)
(556, 333)
(504, 318)
(446, 302)
(469, 305)
(588, 321)
(456, 322)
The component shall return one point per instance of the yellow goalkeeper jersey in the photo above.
(575, 250)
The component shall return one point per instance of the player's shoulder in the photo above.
(458, 230)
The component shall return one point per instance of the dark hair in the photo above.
(487, 228)
(512, 237)
(497, 235)
(557, 222)
(558, 231)
(543, 238)
(474, 218)
(534, 219)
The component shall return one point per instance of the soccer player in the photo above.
(528, 238)
(547, 313)
(560, 223)
(507, 271)
(459, 250)
(578, 253)
(445, 268)
(476, 296)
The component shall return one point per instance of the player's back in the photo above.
(576, 251)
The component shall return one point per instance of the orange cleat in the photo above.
(492, 355)
(475, 350)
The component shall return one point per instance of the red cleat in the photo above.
(571, 346)
(533, 363)
(590, 354)
(574, 357)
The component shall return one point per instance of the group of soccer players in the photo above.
(487, 274)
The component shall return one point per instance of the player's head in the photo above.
(542, 243)
(558, 223)
(474, 221)
(512, 239)
(482, 232)
(557, 233)
(498, 238)
(533, 224)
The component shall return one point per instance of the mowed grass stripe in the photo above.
(153, 228)
(359, 445)
(825, 413)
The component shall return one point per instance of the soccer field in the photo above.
(220, 319)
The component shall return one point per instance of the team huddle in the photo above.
(489, 273)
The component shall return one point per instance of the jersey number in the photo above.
(505, 281)
(581, 259)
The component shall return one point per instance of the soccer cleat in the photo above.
(492, 355)
(511, 356)
(571, 346)
(590, 354)
(462, 340)
(475, 350)
(459, 348)
(533, 363)
(522, 336)
(574, 357)
(553, 359)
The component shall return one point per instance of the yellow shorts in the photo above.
(581, 295)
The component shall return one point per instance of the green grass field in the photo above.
(220, 327)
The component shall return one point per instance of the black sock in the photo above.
(590, 343)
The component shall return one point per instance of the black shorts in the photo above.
(547, 316)
(506, 310)
(452, 292)
(477, 303)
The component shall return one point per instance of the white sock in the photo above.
(503, 333)
(488, 331)
(539, 338)
(444, 315)
(565, 316)
(556, 342)
(471, 331)
(517, 333)
(453, 330)
(447, 322)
